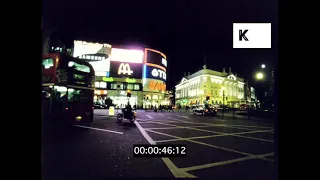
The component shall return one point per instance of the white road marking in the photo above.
(98, 129)
(177, 119)
(143, 119)
(179, 127)
(225, 134)
(225, 125)
(225, 162)
(186, 117)
(210, 145)
(149, 117)
(253, 126)
(162, 115)
(177, 173)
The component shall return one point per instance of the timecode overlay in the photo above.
(163, 150)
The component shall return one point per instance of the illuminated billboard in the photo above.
(153, 85)
(98, 55)
(154, 73)
(127, 55)
(125, 70)
(155, 57)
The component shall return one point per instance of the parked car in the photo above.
(98, 105)
(205, 110)
(243, 107)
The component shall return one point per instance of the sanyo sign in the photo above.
(159, 73)
(125, 69)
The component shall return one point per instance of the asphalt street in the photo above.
(217, 148)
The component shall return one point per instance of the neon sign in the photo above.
(128, 80)
(124, 68)
(127, 55)
(164, 62)
(158, 73)
(107, 79)
(159, 86)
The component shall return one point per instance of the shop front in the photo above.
(151, 100)
(119, 98)
(100, 95)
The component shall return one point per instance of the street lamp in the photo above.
(263, 66)
(259, 76)
(222, 101)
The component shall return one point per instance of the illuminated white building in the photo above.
(221, 87)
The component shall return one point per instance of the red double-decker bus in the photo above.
(67, 89)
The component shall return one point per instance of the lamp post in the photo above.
(222, 101)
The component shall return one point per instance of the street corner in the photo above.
(199, 154)
(251, 169)
(243, 145)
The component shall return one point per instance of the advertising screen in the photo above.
(153, 85)
(154, 73)
(98, 55)
(125, 70)
(156, 57)
(127, 55)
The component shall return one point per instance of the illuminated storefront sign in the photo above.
(154, 85)
(154, 73)
(127, 55)
(107, 79)
(129, 80)
(164, 62)
(93, 57)
(125, 70)
(101, 92)
(159, 86)
(157, 73)
(155, 57)
(96, 54)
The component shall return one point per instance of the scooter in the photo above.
(126, 114)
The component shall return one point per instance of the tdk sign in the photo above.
(159, 74)
(251, 35)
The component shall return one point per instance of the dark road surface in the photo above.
(219, 149)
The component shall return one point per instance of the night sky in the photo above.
(184, 30)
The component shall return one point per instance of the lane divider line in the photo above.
(87, 127)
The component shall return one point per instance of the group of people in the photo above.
(169, 108)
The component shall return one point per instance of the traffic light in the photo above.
(207, 98)
(128, 93)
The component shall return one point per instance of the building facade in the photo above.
(221, 87)
(122, 68)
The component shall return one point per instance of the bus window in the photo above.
(79, 95)
(79, 67)
(47, 63)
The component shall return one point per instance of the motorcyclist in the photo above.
(128, 111)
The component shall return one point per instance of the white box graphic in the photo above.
(251, 35)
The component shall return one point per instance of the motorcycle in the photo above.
(210, 111)
(127, 113)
